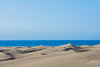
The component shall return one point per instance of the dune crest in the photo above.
(65, 47)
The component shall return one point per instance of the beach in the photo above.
(66, 55)
(49, 33)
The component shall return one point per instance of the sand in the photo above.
(45, 56)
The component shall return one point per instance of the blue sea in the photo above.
(16, 43)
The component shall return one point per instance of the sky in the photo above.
(49, 19)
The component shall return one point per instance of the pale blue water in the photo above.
(11, 43)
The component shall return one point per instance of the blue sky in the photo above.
(49, 19)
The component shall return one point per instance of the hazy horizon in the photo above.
(49, 20)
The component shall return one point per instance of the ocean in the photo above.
(18, 43)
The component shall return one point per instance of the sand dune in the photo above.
(97, 46)
(64, 47)
(60, 56)
(4, 56)
(93, 63)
